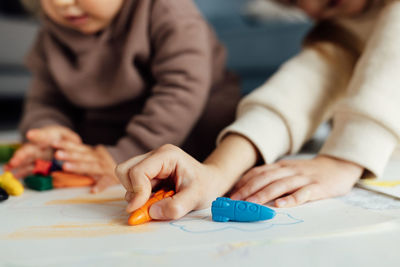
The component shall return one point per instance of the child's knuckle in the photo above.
(167, 147)
(134, 172)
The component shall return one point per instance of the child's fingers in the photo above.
(262, 180)
(122, 170)
(161, 164)
(42, 137)
(27, 154)
(255, 172)
(103, 183)
(140, 191)
(69, 135)
(85, 168)
(73, 156)
(49, 135)
(72, 147)
(279, 188)
(307, 193)
(23, 171)
(175, 207)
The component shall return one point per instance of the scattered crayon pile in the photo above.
(48, 175)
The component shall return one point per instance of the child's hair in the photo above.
(32, 6)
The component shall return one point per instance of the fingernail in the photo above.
(156, 212)
(281, 202)
(67, 166)
(60, 155)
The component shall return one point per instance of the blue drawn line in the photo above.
(244, 227)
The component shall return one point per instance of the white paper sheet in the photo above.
(63, 225)
(389, 183)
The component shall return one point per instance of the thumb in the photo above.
(37, 136)
(69, 135)
(49, 136)
(174, 207)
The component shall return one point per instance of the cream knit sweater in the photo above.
(357, 85)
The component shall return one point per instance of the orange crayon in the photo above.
(62, 180)
(142, 215)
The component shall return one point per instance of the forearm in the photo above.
(367, 119)
(282, 114)
(233, 157)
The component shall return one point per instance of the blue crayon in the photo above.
(56, 165)
(224, 209)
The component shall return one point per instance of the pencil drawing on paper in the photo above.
(203, 225)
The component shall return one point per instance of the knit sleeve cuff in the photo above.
(265, 129)
(362, 141)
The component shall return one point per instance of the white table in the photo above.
(73, 228)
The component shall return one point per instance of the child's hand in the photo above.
(39, 146)
(87, 160)
(196, 184)
(23, 161)
(49, 135)
(294, 182)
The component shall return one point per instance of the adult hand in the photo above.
(294, 182)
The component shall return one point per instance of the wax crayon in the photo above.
(142, 215)
(63, 179)
(42, 167)
(10, 184)
(39, 182)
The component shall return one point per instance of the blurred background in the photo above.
(259, 37)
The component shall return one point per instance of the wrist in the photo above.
(351, 167)
(233, 157)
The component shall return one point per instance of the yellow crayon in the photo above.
(10, 184)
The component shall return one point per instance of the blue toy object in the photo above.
(224, 209)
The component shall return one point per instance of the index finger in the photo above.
(28, 153)
(138, 189)
(122, 169)
(136, 174)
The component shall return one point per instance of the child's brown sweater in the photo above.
(142, 82)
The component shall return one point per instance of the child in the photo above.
(348, 71)
(116, 78)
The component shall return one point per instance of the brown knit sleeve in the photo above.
(181, 67)
(44, 103)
